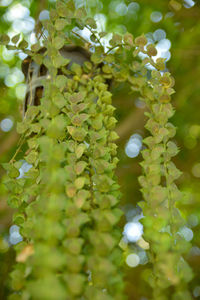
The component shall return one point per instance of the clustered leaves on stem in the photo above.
(67, 204)
(170, 273)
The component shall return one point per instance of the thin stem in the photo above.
(81, 37)
(112, 48)
(93, 32)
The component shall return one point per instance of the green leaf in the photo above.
(91, 22)
(128, 39)
(36, 127)
(38, 58)
(40, 289)
(60, 61)
(18, 218)
(79, 167)
(76, 108)
(141, 40)
(23, 44)
(113, 216)
(32, 112)
(70, 190)
(110, 123)
(53, 15)
(157, 151)
(160, 64)
(102, 34)
(11, 47)
(74, 245)
(76, 97)
(80, 12)
(58, 42)
(107, 69)
(78, 134)
(79, 182)
(16, 38)
(158, 195)
(32, 157)
(61, 23)
(172, 149)
(71, 145)
(35, 47)
(116, 39)
(176, 195)
(80, 150)
(162, 133)
(97, 123)
(14, 202)
(151, 50)
(81, 197)
(13, 172)
(100, 165)
(96, 58)
(103, 182)
(149, 141)
(65, 9)
(57, 127)
(87, 65)
(75, 283)
(4, 39)
(78, 120)
(113, 136)
(171, 130)
(61, 81)
(106, 97)
(173, 172)
(76, 69)
(58, 99)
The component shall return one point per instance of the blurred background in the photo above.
(174, 27)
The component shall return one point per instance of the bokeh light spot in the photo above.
(5, 2)
(121, 9)
(159, 34)
(132, 260)
(186, 233)
(134, 145)
(26, 25)
(17, 11)
(133, 231)
(24, 168)
(196, 291)
(6, 124)
(188, 3)
(156, 16)
(133, 7)
(196, 170)
(15, 236)
(44, 15)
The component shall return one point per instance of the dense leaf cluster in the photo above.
(163, 219)
(67, 204)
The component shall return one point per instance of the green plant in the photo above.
(67, 204)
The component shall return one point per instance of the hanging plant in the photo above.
(67, 203)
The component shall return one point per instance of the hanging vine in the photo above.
(67, 204)
(170, 273)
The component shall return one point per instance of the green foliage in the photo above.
(162, 219)
(64, 223)
(67, 205)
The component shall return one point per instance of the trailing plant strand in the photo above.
(67, 204)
